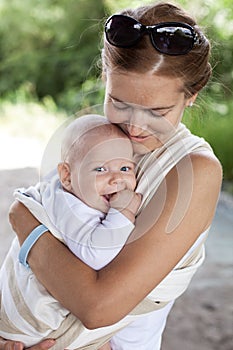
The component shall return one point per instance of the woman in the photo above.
(152, 72)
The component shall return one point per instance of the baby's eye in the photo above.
(125, 168)
(100, 169)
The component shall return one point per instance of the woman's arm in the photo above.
(142, 263)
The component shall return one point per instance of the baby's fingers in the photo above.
(10, 345)
(44, 345)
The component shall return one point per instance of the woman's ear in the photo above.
(65, 175)
(190, 101)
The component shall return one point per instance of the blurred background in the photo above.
(50, 68)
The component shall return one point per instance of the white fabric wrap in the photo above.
(26, 320)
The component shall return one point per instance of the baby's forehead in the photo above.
(93, 139)
(89, 127)
(77, 129)
(105, 131)
(104, 138)
(103, 150)
(106, 142)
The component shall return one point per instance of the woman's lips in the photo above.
(139, 138)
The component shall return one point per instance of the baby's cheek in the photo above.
(131, 181)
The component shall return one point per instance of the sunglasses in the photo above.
(170, 38)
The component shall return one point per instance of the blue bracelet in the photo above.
(29, 242)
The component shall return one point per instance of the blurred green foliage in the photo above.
(214, 121)
(213, 118)
(50, 51)
(53, 45)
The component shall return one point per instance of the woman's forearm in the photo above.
(88, 294)
(79, 288)
(21, 220)
(92, 296)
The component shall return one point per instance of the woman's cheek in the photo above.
(114, 114)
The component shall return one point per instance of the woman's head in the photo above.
(192, 68)
(147, 91)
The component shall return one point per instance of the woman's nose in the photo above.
(137, 122)
(134, 130)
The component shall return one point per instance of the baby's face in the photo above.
(106, 168)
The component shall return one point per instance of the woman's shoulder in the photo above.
(206, 164)
(204, 172)
(195, 184)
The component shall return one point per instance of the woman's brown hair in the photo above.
(194, 68)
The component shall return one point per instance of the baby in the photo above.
(89, 204)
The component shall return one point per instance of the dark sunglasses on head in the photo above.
(170, 38)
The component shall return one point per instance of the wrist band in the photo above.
(29, 242)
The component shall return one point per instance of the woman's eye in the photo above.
(100, 169)
(159, 114)
(119, 105)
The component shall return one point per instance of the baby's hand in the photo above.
(127, 202)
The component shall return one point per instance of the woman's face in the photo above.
(147, 107)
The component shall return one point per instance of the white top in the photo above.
(92, 236)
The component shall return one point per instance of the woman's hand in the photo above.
(13, 345)
(22, 221)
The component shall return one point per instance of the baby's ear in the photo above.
(65, 175)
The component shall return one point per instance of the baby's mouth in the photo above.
(108, 196)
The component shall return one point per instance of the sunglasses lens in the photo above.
(173, 40)
(122, 31)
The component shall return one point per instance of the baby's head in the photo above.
(96, 161)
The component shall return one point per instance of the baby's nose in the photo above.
(116, 179)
